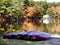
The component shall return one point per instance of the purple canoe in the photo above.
(39, 36)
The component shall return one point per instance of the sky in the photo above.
(49, 0)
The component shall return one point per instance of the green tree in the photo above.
(26, 2)
(31, 2)
(49, 13)
(11, 8)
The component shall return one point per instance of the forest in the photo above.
(13, 14)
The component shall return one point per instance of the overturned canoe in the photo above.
(23, 35)
(39, 36)
(34, 35)
(30, 35)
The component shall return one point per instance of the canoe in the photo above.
(38, 36)
(7, 35)
(23, 35)
(29, 35)
(14, 35)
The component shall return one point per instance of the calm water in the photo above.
(24, 42)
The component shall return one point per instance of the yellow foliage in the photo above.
(11, 26)
(1, 29)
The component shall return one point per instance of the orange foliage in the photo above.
(55, 10)
(30, 11)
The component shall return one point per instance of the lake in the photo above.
(25, 42)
